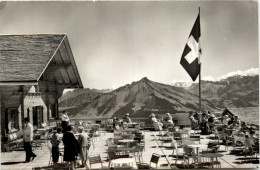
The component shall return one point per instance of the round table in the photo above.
(127, 141)
(123, 162)
(197, 147)
(212, 156)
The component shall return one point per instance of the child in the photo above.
(55, 141)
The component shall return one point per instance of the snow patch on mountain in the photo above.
(248, 72)
(181, 83)
(188, 83)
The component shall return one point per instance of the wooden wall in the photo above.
(23, 97)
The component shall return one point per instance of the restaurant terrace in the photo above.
(140, 145)
(35, 69)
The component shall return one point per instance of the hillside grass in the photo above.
(247, 114)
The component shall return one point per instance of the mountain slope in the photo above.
(235, 91)
(140, 99)
(78, 97)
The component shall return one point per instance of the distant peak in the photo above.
(145, 79)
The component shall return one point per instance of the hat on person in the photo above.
(212, 115)
(127, 114)
(152, 115)
(168, 114)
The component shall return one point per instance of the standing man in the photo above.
(28, 138)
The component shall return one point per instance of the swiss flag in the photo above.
(190, 59)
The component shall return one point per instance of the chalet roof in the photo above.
(24, 58)
(228, 112)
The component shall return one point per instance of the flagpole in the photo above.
(199, 80)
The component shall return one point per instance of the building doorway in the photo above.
(37, 115)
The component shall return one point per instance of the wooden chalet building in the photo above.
(34, 71)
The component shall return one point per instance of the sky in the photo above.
(116, 43)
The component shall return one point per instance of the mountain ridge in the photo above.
(142, 97)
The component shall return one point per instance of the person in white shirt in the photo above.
(28, 138)
(154, 120)
(226, 120)
(84, 143)
(168, 119)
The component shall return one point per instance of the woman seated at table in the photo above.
(127, 119)
(244, 127)
(236, 129)
(194, 122)
(236, 120)
(116, 122)
(71, 147)
(154, 120)
(204, 127)
(168, 119)
(211, 121)
(225, 120)
(252, 136)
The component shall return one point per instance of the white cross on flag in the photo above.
(190, 59)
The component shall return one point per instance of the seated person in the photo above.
(127, 118)
(168, 119)
(248, 144)
(225, 120)
(244, 127)
(194, 123)
(211, 120)
(204, 127)
(231, 120)
(116, 123)
(236, 120)
(154, 120)
(197, 117)
(252, 136)
(236, 129)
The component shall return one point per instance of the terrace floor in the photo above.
(15, 159)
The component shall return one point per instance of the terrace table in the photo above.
(212, 156)
(197, 147)
(123, 162)
(132, 125)
(42, 129)
(125, 150)
(94, 125)
(127, 141)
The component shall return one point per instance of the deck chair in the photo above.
(142, 125)
(155, 159)
(177, 136)
(95, 159)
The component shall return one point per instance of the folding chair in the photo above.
(95, 159)
(155, 159)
